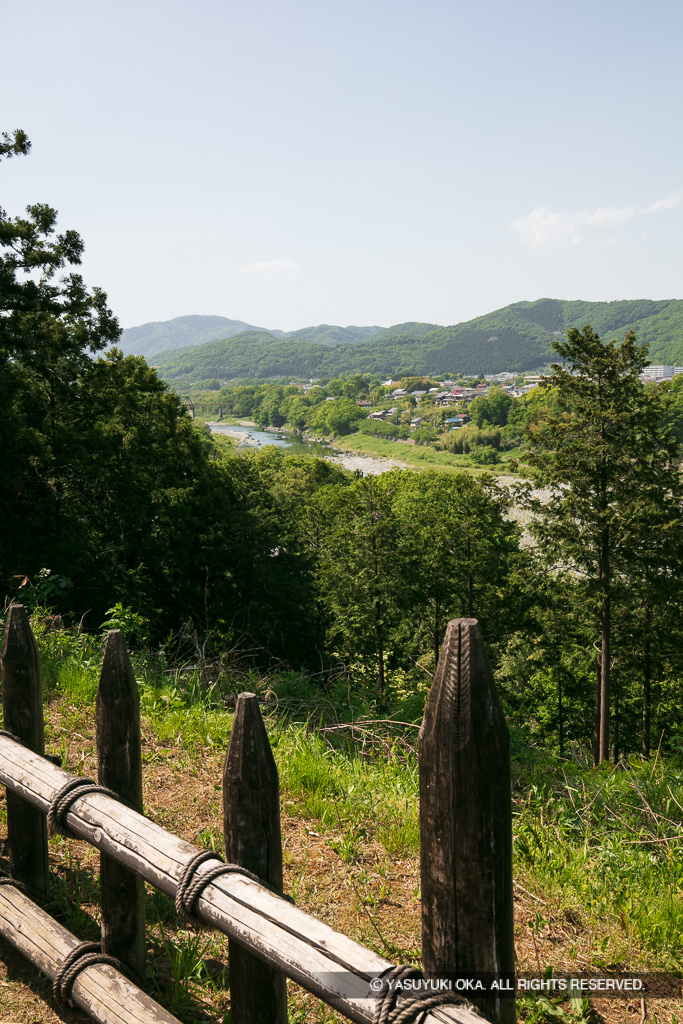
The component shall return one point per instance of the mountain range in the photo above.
(188, 331)
(517, 337)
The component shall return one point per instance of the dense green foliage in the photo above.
(516, 338)
(614, 520)
(118, 501)
(120, 505)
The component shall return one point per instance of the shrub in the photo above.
(464, 439)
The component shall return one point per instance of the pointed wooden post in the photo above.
(119, 759)
(22, 705)
(466, 822)
(251, 826)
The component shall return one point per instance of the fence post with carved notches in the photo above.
(119, 759)
(466, 823)
(22, 708)
(251, 827)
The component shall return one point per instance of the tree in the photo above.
(49, 330)
(359, 572)
(101, 469)
(610, 466)
(491, 409)
(457, 549)
(341, 416)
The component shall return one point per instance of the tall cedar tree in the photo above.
(359, 571)
(611, 468)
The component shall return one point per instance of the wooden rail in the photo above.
(324, 961)
(104, 993)
(463, 732)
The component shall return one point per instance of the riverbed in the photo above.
(248, 436)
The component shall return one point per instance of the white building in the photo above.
(661, 372)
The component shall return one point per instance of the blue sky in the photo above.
(303, 162)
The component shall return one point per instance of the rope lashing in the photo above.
(23, 889)
(85, 954)
(414, 1003)
(191, 885)
(11, 736)
(63, 799)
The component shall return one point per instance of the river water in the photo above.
(252, 437)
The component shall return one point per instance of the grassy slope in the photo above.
(598, 875)
(420, 456)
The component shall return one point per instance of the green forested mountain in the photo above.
(412, 329)
(327, 335)
(187, 331)
(182, 332)
(517, 337)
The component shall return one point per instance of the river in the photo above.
(249, 436)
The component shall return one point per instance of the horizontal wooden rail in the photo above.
(103, 992)
(325, 962)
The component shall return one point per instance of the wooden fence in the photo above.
(466, 854)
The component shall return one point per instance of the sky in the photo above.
(357, 162)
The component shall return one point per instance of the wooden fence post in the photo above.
(251, 827)
(22, 705)
(466, 822)
(119, 759)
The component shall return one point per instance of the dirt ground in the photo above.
(374, 900)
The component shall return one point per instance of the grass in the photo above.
(416, 456)
(608, 844)
(419, 456)
(598, 854)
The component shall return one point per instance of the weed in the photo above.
(602, 848)
(186, 955)
(298, 1014)
(211, 839)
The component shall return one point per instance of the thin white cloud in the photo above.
(545, 229)
(273, 270)
(668, 203)
(606, 216)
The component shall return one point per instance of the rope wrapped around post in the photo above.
(414, 1004)
(85, 954)
(23, 889)
(191, 885)
(63, 799)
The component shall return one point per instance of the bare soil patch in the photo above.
(374, 899)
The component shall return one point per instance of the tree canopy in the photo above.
(610, 465)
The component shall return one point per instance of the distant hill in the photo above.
(408, 330)
(187, 331)
(182, 332)
(329, 336)
(518, 337)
